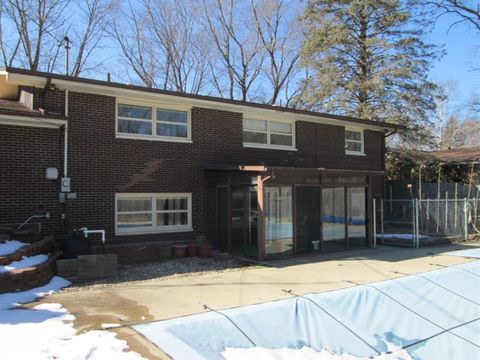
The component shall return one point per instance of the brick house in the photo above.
(153, 168)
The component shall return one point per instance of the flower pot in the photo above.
(192, 250)
(204, 251)
(179, 251)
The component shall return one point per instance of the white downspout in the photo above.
(65, 141)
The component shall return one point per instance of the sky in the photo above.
(462, 46)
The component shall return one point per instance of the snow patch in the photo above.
(46, 331)
(26, 262)
(10, 246)
(10, 300)
(306, 353)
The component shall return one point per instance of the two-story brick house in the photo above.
(155, 167)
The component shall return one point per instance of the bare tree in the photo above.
(130, 32)
(183, 47)
(237, 44)
(36, 24)
(162, 53)
(278, 28)
(8, 50)
(31, 32)
(465, 11)
(89, 32)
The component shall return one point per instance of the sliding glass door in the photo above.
(333, 219)
(278, 221)
(357, 220)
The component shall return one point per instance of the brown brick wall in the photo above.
(101, 165)
(25, 153)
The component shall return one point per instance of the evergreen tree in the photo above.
(368, 60)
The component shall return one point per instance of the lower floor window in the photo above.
(150, 213)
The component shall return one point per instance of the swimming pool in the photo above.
(434, 315)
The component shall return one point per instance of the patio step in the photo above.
(44, 246)
(29, 277)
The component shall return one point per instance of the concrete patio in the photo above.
(159, 299)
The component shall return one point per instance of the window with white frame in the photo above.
(152, 121)
(353, 141)
(151, 213)
(268, 133)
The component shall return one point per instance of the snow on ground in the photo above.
(46, 331)
(305, 353)
(10, 246)
(26, 261)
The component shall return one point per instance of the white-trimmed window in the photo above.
(152, 122)
(354, 141)
(264, 133)
(153, 213)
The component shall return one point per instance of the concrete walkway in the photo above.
(169, 298)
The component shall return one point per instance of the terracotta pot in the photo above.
(204, 251)
(179, 251)
(192, 250)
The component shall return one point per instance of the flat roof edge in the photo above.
(348, 119)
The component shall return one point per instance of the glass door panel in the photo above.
(307, 218)
(333, 219)
(356, 216)
(238, 220)
(278, 221)
(222, 218)
(251, 246)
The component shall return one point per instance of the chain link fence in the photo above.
(417, 223)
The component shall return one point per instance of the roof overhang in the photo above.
(285, 170)
(16, 77)
(31, 121)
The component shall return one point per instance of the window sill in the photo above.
(353, 153)
(268, 147)
(152, 138)
(125, 232)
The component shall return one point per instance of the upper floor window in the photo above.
(263, 133)
(153, 213)
(354, 141)
(152, 122)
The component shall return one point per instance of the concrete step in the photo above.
(44, 246)
(29, 277)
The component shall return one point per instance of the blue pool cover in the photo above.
(469, 253)
(436, 315)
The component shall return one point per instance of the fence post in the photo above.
(374, 222)
(414, 217)
(381, 219)
(465, 211)
(417, 227)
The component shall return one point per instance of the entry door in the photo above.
(244, 209)
(333, 219)
(307, 218)
(238, 220)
